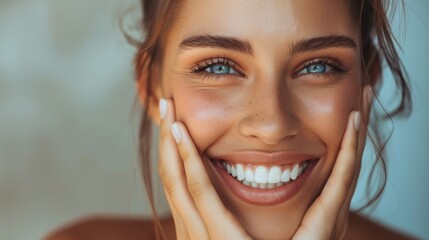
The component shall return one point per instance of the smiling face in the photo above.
(265, 89)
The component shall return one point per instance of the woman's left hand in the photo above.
(327, 217)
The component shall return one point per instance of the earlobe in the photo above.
(148, 89)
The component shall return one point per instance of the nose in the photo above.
(270, 116)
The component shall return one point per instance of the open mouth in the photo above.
(265, 177)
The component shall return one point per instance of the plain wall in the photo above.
(68, 129)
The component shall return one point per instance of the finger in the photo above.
(179, 225)
(342, 220)
(321, 218)
(218, 219)
(362, 132)
(173, 176)
(367, 96)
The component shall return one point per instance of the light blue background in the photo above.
(68, 129)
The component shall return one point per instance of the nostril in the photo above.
(268, 130)
(271, 119)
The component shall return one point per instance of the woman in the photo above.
(263, 109)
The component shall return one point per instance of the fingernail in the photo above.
(176, 132)
(356, 121)
(162, 108)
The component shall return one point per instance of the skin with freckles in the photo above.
(269, 102)
(257, 78)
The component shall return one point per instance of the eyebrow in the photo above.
(243, 46)
(318, 43)
(216, 41)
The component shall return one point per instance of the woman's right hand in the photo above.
(197, 209)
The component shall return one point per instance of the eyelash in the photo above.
(200, 68)
(336, 66)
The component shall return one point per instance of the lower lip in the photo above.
(264, 197)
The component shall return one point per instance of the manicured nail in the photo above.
(356, 120)
(176, 132)
(162, 108)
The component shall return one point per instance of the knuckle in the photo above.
(196, 188)
(185, 154)
(161, 170)
(346, 180)
(169, 185)
(164, 132)
(167, 180)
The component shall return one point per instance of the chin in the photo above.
(270, 200)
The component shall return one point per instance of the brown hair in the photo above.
(377, 43)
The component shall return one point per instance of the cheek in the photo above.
(326, 113)
(205, 115)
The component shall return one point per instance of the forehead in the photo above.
(274, 19)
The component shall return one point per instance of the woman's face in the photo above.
(263, 86)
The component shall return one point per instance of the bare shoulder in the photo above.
(115, 228)
(361, 227)
(111, 228)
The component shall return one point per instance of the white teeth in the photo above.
(249, 175)
(261, 175)
(261, 185)
(274, 175)
(228, 168)
(286, 175)
(302, 168)
(294, 172)
(240, 172)
(233, 171)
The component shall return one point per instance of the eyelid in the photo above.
(204, 64)
(332, 62)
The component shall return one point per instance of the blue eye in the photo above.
(316, 68)
(216, 68)
(220, 69)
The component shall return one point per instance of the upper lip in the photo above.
(263, 158)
